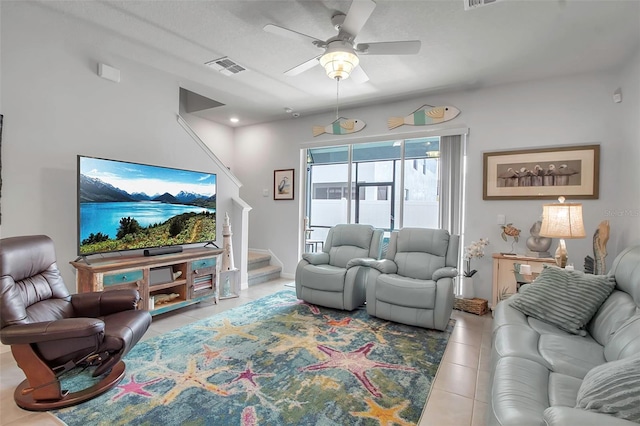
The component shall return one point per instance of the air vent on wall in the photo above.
(473, 4)
(226, 66)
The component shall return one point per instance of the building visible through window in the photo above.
(375, 195)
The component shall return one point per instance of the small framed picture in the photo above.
(283, 185)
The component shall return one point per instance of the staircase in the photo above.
(259, 268)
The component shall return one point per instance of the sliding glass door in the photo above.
(387, 184)
(421, 183)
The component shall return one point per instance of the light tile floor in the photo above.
(458, 397)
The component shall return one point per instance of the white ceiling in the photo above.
(508, 41)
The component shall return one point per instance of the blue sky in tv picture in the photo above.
(126, 206)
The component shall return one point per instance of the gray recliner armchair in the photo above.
(331, 278)
(414, 283)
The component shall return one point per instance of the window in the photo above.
(327, 170)
(320, 193)
(334, 193)
(382, 193)
(384, 189)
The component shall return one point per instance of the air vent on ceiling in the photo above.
(226, 66)
(473, 4)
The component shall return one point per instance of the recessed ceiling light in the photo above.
(234, 119)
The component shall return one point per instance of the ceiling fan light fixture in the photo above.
(339, 62)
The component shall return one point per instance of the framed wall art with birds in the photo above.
(283, 184)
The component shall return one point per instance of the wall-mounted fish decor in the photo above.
(425, 115)
(342, 126)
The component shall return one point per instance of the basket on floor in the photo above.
(475, 306)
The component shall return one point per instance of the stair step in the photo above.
(257, 260)
(263, 274)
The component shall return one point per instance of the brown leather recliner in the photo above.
(51, 331)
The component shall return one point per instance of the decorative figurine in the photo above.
(598, 264)
(538, 246)
(226, 287)
(227, 257)
(425, 115)
(341, 126)
(511, 231)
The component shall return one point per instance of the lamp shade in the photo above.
(562, 220)
(339, 60)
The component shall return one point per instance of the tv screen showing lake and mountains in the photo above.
(128, 206)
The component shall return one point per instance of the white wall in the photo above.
(56, 107)
(273, 225)
(625, 213)
(217, 137)
(563, 111)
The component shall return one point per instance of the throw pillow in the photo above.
(566, 299)
(613, 388)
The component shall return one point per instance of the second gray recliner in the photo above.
(414, 283)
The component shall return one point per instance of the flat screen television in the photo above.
(131, 206)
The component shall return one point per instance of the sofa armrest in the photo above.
(385, 266)
(446, 272)
(562, 416)
(316, 258)
(102, 303)
(360, 261)
(46, 331)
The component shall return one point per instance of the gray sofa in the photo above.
(538, 369)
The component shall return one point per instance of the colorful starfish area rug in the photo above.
(274, 361)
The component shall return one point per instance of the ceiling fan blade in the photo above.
(358, 14)
(299, 69)
(358, 75)
(409, 47)
(285, 32)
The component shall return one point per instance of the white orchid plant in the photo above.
(475, 249)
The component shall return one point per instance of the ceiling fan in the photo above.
(340, 58)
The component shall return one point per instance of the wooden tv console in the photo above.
(192, 274)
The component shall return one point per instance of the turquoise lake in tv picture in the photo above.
(105, 217)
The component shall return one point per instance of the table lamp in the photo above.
(562, 220)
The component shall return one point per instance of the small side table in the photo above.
(505, 282)
(522, 279)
